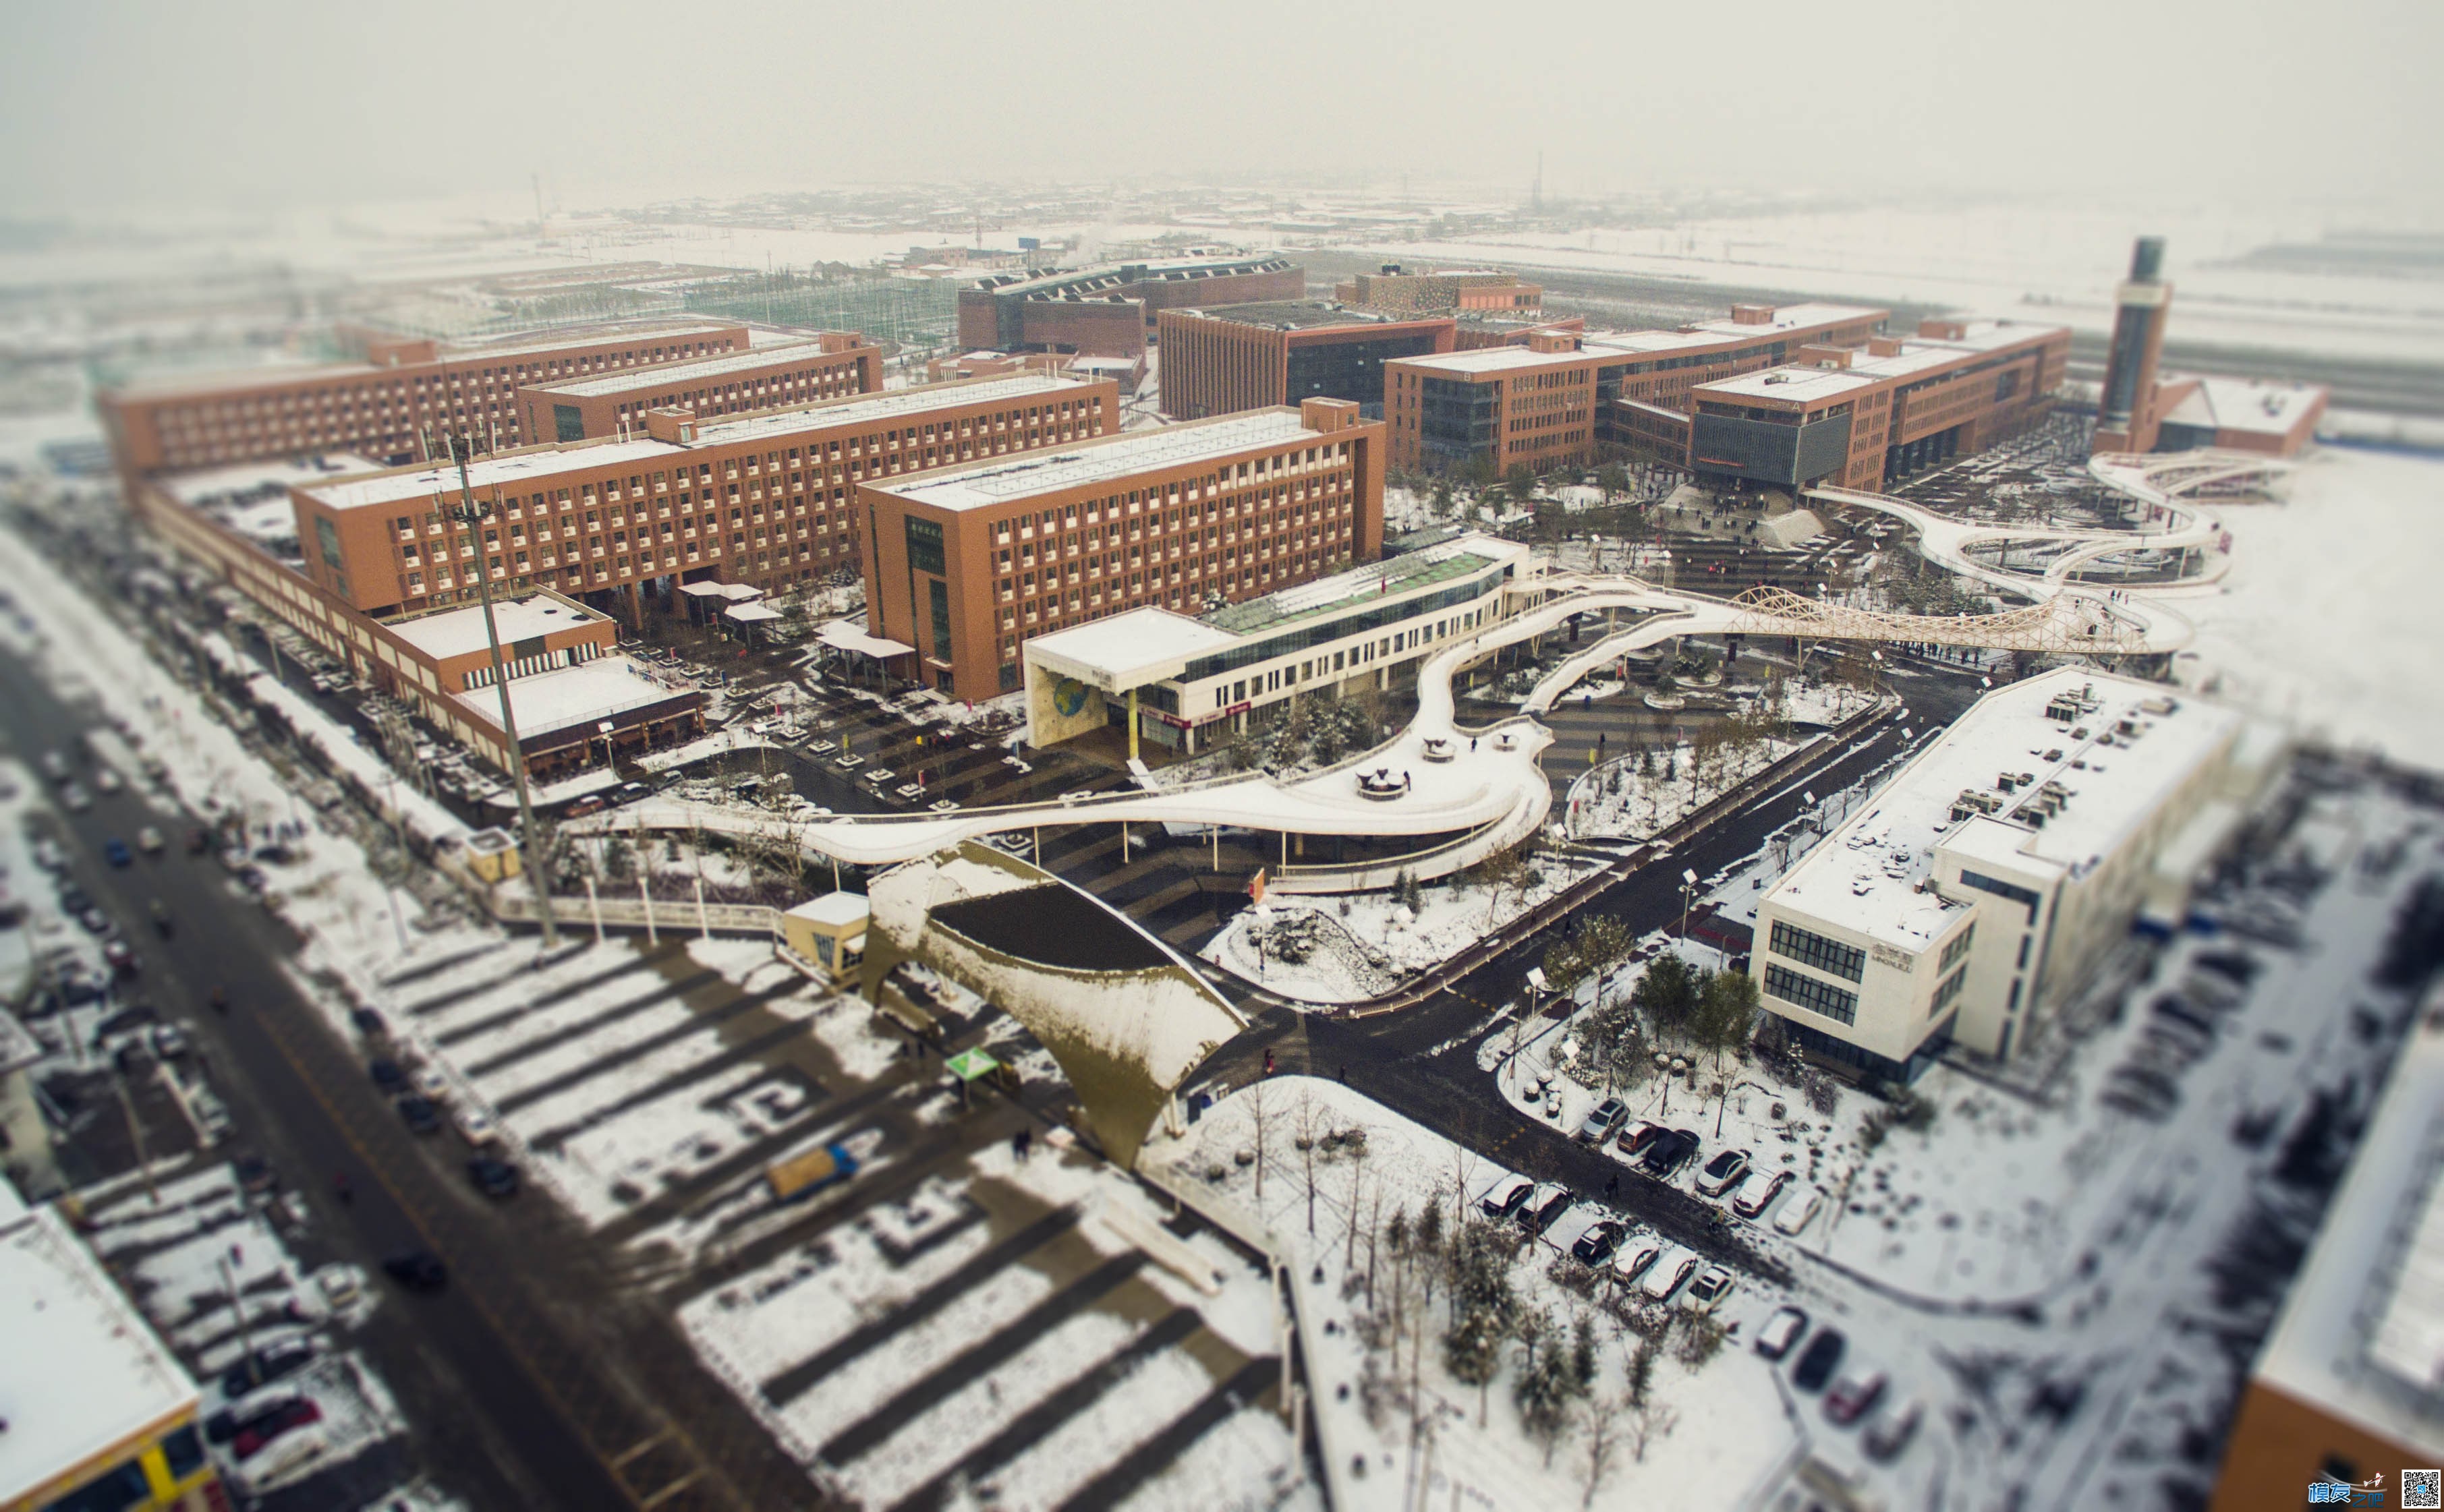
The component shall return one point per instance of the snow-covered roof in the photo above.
(207, 484)
(1490, 360)
(666, 375)
(1386, 580)
(83, 1371)
(1865, 876)
(455, 632)
(2259, 406)
(856, 414)
(2362, 1334)
(1918, 354)
(847, 635)
(583, 694)
(1697, 336)
(840, 910)
(1024, 474)
(1129, 649)
(1795, 385)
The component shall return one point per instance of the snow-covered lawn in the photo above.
(1365, 943)
(1645, 795)
(1716, 1431)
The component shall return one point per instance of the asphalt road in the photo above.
(1422, 1061)
(519, 1378)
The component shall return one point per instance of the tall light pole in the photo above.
(472, 515)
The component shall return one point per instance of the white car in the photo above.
(1799, 1211)
(474, 1125)
(430, 1084)
(1667, 1277)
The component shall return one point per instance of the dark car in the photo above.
(419, 1271)
(267, 1365)
(229, 1423)
(74, 899)
(1670, 1152)
(368, 1022)
(116, 851)
(1819, 1360)
(387, 1073)
(1538, 1213)
(97, 923)
(199, 841)
(493, 1177)
(1596, 1245)
(294, 1414)
(421, 1115)
(255, 1175)
(1854, 1395)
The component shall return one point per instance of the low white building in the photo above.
(1185, 675)
(1986, 881)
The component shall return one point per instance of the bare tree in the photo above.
(1644, 1425)
(1307, 1123)
(1260, 1121)
(1601, 1416)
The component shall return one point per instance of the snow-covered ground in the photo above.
(1630, 796)
(1366, 943)
(2324, 616)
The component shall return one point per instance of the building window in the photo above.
(1947, 990)
(1816, 997)
(2002, 889)
(1958, 948)
(925, 546)
(1810, 948)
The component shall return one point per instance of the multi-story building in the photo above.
(1982, 886)
(1180, 680)
(2346, 1387)
(764, 500)
(1542, 403)
(2141, 408)
(830, 365)
(395, 406)
(1109, 311)
(1396, 291)
(969, 562)
(98, 1411)
(1253, 357)
(1859, 419)
(573, 696)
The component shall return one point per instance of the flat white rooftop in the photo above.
(1130, 649)
(516, 471)
(584, 694)
(2254, 405)
(1634, 344)
(1089, 461)
(81, 1370)
(1918, 354)
(1864, 878)
(666, 375)
(455, 632)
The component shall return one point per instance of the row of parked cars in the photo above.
(1624, 1255)
(1731, 1175)
(425, 1101)
(2183, 1026)
(1853, 1388)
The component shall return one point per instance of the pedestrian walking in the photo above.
(1345, 1073)
(1269, 1063)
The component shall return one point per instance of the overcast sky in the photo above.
(298, 102)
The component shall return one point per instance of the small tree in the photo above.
(1668, 991)
(1473, 1352)
(1641, 1372)
(1727, 1012)
(1520, 481)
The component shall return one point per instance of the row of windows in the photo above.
(1807, 992)
(1947, 990)
(1808, 948)
(2003, 890)
(1958, 948)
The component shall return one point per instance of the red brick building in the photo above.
(967, 562)
(1252, 356)
(390, 407)
(765, 377)
(765, 500)
(1109, 311)
(2141, 408)
(1396, 291)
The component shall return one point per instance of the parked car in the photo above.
(387, 1073)
(1667, 1278)
(1800, 1211)
(1711, 1289)
(169, 1042)
(1781, 1331)
(432, 1083)
(1858, 1390)
(55, 767)
(1637, 1136)
(421, 1114)
(226, 1424)
(121, 956)
(1549, 1202)
(107, 781)
(1888, 1437)
(1818, 1361)
(75, 901)
(1670, 1152)
(255, 1175)
(96, 922)
(474, 1125)
(115, 851)
(1629, 1264)
(268, 1364)
(1503, 1198)
(1606, 1118)
(293, 1414)
(74, 799)
(493, 1177)
(1596, 1245)
(419, 1271)
(1758, 1192)
(149, 841)
(579, 808)
(47, 854)
(368, 1022)
(1722, 1172)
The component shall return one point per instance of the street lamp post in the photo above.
(1688, 893)
(472, 515)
